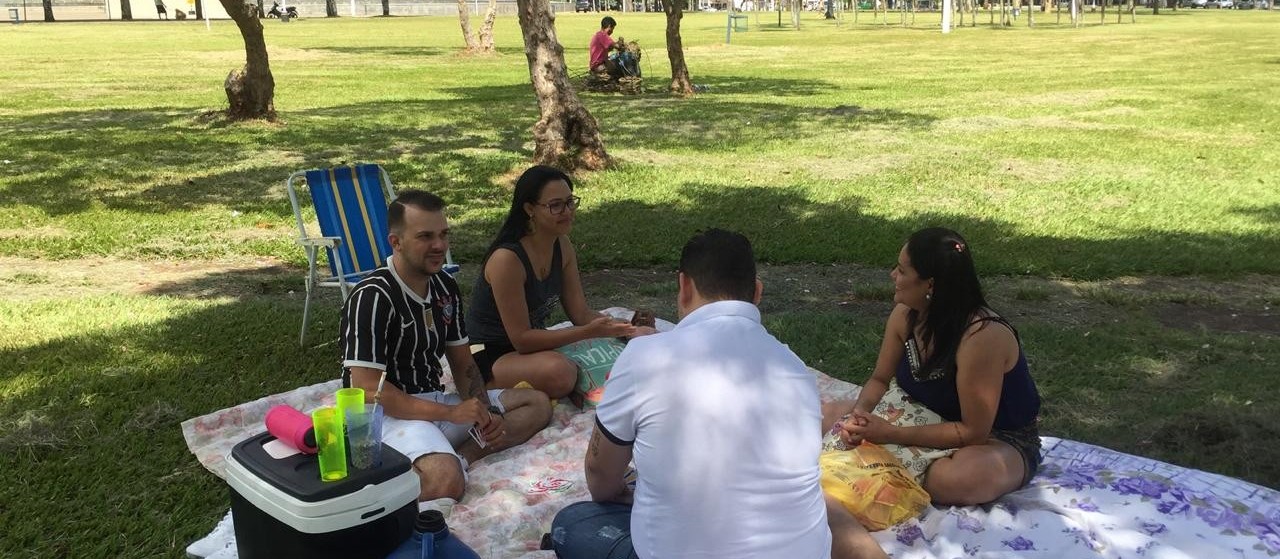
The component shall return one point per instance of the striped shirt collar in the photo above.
(410, 293)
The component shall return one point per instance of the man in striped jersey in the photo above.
(401, 319)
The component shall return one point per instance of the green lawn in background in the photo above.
(1076, 152)
(1141, 150)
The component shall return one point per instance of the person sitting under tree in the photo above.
(601, 43)
(622, 64)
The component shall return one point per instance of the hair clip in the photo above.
(959, 247)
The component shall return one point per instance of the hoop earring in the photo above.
(928, 296)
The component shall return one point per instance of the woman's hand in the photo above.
(609, 327)
(643, 331)
(863, 426)
(843, 427)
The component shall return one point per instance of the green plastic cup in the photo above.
(332, 443)
(350, 400)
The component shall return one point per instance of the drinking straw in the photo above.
(377, 394)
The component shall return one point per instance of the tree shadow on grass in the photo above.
(163, 160)
(1266, 215)
(91, 420)
(787, 225)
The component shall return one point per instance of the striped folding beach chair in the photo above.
(351, 211)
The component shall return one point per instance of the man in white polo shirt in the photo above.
(723, 422)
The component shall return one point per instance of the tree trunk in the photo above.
(1155, 7)
(48, 10)
(126, 11)
(795, 14)
(330, 8)
(486, 28)
(262, 10)
(386, 8)
(566, 134)
(1103, 18)
(680, 84)
(464, 19)
(250, 90)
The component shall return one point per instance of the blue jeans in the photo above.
(590, 530)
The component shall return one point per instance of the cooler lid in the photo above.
(299, 475)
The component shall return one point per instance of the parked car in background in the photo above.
(1196, 3)
(582, 6)
(1223, 4)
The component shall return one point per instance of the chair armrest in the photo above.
(330, 242)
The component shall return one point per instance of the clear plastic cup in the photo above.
(364, 435)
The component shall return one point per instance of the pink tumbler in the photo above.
(293, 428)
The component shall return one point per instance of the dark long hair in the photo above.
(528, 189)
(943, 256)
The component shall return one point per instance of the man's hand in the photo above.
(475, 412)
(496, 427)
(470, 412)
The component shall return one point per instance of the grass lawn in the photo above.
(1118, 184)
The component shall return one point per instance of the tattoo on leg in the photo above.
(595, 444)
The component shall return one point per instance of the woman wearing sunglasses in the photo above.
(529, 269)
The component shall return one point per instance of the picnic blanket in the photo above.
(1087, 501)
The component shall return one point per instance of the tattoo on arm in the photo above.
(475, 384)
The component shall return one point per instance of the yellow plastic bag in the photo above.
(872, 485)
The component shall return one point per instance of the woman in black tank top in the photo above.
(946, 349)
(530, 268)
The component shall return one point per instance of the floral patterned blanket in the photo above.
(1087, 501)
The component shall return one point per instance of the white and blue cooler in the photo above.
(281, 509)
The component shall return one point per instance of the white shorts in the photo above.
(414, 438)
